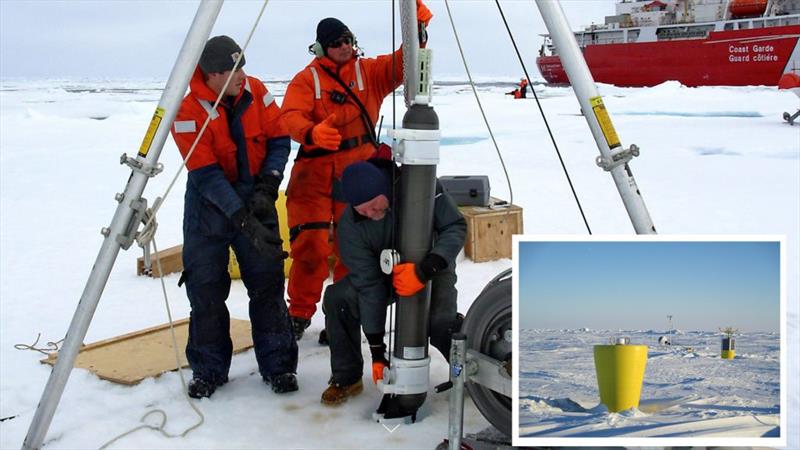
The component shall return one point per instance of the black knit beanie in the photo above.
(363, 181)
(329, 30)
(219, 55)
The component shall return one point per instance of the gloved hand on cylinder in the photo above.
(265, 194)
(325, 135)
(267, 240)
(378, 351)
(410, 278)
(424, 16)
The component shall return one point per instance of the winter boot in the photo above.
(283, 383)
(337, 393)
(323, 337)
(299, 326)
(200, 388)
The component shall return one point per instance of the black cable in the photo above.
(394, 127)
(394, 175)
(544, 118)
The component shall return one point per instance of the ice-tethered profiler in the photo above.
(416, 147)
(728, 343)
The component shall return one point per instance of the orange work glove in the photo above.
(424, 14)
(325, 135)
(377, 370)
(405, 279)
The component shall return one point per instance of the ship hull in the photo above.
(725, 58)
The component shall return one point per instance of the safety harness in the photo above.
(353, 142)
(346, 144)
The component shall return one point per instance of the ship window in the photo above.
(728, 26)
(688, 32)
(743, 25)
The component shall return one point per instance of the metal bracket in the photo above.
(416, 147)
(488, 372)
(389, 258)
(406, 376)
(619, 156)
(125, 239)
(138, 166)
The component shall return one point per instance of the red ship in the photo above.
(696, 42)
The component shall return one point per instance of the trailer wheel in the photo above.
(485, 325)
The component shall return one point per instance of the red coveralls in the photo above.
(313, 198)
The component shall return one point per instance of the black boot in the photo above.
(299, 326)
(200, 388)
(283, 383)
(323, 337)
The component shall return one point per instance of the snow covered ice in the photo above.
(687, 391)
(714, 160)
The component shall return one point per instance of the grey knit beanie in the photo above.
(219, 55)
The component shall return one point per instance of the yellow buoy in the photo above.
(280, 205)
(620, 373)
(728, 347)
(728, 343)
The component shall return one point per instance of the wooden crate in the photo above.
(489, 231)
(171, 262)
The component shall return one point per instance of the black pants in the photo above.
(209, 347)
(343, 324)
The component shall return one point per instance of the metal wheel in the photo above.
(487, 326)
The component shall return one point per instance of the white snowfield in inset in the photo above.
(714, 161)
(688, 390)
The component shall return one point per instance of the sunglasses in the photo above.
(344, 40)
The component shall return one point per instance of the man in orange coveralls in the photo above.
(330, 108)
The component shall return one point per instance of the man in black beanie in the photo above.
(234, 174)
(359, 300)
(330, 108)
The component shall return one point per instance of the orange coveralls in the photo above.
(313, 198)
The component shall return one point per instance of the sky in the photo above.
(635, 285)
(140, 39)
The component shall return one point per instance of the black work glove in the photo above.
(429, 267)
(265, 193)
(267, 240)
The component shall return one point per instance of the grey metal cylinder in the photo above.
(415, 235)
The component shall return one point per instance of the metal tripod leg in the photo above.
(126, 219)
(458, 359)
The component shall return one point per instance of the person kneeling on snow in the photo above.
(366, 228)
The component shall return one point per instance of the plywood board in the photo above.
(130, 358)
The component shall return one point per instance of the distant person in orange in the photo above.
(330, 108)
(521, 91)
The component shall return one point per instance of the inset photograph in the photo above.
(673, 341)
